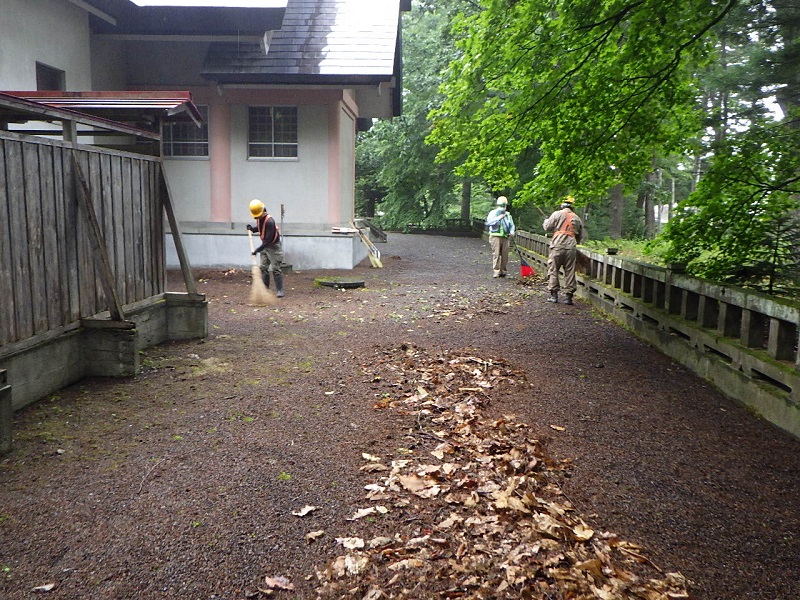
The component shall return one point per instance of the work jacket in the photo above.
(268, 231)
(500, 223)
(567, 227)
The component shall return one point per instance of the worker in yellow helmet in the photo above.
(569, 231)
(271, 248)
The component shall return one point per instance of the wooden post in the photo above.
(96, 235)
(186, 269)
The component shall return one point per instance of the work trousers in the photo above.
(561, 258)
(499, 254)
(272, 258)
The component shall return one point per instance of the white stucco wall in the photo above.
(301, 184)
(53, 32)
(190, 185)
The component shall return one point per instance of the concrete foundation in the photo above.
(98, 346)
(6, 414)
(229, 248)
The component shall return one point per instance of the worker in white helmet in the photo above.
(501, 230)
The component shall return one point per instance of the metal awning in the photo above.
(145, 109)
(14, 109)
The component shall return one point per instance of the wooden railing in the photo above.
(743, 341)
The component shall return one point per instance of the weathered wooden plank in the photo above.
(8, 322)
(20, 260)
(93, 180)
(147, 240)
(109, 285)
(105, 190)
(130, 240)
(51, 240)
(137, 231)
(86, 270)
(62, 235)
(159, 250)
(35, 223)
(71, 243)
(119, 225)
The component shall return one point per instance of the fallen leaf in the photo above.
(313, 535)
(356, 564)
(558, 427)
(408, 563)
(370, 457)
(582, 532)
(278, 583)
(44, 588)
(351, 543)
(362, 512)
(304, 511)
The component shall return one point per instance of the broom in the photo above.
(260, 294)
(525, 270)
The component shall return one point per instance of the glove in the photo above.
(250, 227)
(252, 254)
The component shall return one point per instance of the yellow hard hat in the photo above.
(569, 200)
(257, 208)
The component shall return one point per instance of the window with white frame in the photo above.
(272, 132)
(186, 139)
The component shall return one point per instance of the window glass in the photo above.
(185, 138)
(49, 78)
(272, 132)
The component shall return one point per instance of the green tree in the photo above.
(592, 97)
(595, 88)
(740, 224)
(393, 161)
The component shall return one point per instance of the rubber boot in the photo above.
(278, 284)
(569, 299)
(265, 278)
(553, 297)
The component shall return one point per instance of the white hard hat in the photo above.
(502, 201)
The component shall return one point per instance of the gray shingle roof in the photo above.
(319, 41)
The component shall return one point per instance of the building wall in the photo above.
(347, 166)
(153, 65)
(108, 65)
(53, 32)
(218, 189)
(301, 184)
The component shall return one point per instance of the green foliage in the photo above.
(394, 167)
(584, 85)
(741, 224)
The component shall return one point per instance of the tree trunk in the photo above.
(617, 207)
(649, 205)
(466, 197)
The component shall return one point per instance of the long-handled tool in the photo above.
(373, 253)
(260, 294)
(525, 270)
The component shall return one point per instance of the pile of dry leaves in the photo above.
(480, 509)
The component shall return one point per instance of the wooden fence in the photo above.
(50, 275)
(743, 341)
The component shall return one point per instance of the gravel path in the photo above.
(181, 482)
